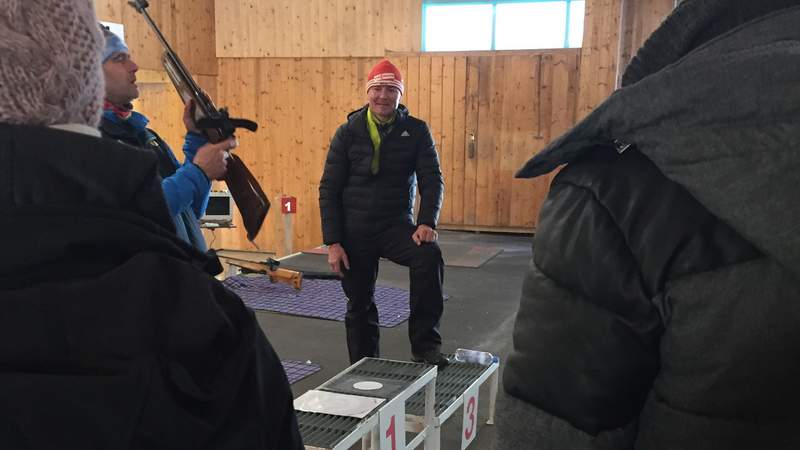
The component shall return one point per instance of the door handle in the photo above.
(471, 146)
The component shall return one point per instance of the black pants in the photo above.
(426, 271)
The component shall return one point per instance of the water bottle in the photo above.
(474, 356)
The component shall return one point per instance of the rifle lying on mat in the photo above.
(216, 126)
(271, 269)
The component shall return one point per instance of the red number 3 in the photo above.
(471, 411)
(390, 433)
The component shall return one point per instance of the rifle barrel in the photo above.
(168, 49)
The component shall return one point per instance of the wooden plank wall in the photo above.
(599, 54)
(188, 25)
(317, 28)
(489, 112)
(512, 102)
(639, 18)
(613, 31)
(298, 104)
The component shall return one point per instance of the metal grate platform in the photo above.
(379, 369)
(400, 380)
(324, 430)
(455, 385)
(451, 382)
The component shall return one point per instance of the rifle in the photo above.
(270, 267)
(217, 126)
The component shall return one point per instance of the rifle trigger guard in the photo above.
(272, 263)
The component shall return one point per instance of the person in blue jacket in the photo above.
(186, 186)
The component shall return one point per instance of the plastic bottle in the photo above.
(474, 356)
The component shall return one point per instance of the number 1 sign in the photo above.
(288, 205)
(470, 423)
(392, 427)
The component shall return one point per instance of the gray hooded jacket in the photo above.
(662, 307)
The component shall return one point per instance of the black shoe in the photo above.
(433, 358)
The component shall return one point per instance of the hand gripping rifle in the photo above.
(216, 126)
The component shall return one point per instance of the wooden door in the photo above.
(489, 113)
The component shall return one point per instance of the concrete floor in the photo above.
(479, 314)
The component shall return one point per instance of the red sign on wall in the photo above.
(288, 205)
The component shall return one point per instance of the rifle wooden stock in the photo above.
(250, 199)
(291, 277)
(247, 194)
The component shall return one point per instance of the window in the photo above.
(451, 25)
(116, 28)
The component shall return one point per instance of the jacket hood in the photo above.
(66, 196)
(691, 24)
(723, 121)
(58, 168)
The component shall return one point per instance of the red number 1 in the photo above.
(471, 412)
(390, 433)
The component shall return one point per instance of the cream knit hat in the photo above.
(50, 71)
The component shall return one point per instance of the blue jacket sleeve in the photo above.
(188, 186)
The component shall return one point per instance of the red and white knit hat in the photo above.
(385, 73)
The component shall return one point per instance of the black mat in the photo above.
(464, 254)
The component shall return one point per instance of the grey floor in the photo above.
(479, 314)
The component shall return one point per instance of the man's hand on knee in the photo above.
(338, 257)
(424, 233)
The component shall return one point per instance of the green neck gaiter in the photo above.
(377, 131)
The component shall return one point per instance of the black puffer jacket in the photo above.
(353, 201)
(661, 308)
(113, 336)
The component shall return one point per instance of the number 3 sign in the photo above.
(470, 423)
(392, 427)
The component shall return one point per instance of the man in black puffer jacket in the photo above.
(661, 308)
(366, 198)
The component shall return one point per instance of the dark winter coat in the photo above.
(662, 305)
(113, 334)
(353, 201)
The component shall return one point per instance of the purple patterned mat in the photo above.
(297, 370)
(323, 299)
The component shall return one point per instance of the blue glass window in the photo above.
(501, 25)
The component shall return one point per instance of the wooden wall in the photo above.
(511, 102)
(489, 113)
(599, 54)
(317, 28)
(613, 32)
(638, 19)
(188, 25)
